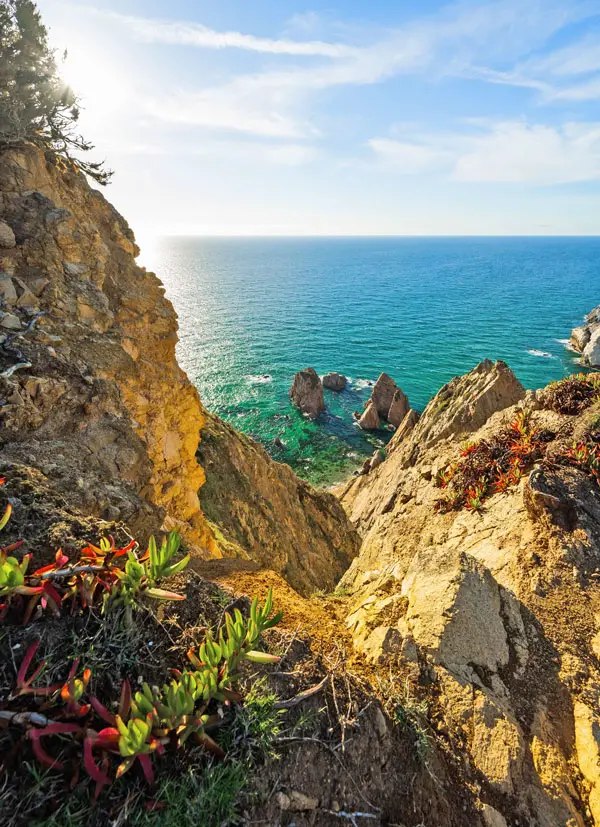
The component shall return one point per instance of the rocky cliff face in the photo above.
(586, 339)
(99, 404)
(91, 394)
(495, 610)
(259, 509)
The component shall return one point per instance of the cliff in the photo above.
(262, 511)
(453, 675)
(92, 396)
(495, 606)
(99, 404)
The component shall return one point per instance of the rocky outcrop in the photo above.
(259, 509)
(335, 382)
(496, 611)
(586, 339)
(307, 393)
(91, 393)
(387, 402)
(369, 420)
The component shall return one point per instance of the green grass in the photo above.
(208, 798)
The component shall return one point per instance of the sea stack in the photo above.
(586, 339)
(335, 381)
(307, 393)
(387, 402)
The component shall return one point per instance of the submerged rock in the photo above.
(335, 382)
(307, 393)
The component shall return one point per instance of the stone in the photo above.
(7, 236)
(455, 612)
(497, 745)
(369, 420)
(580, 336)
(307, 393)
(398, 409)
(383, 394)
(8, 291)
(383, 641)
(296, 801)
(75, 268)
(37, 286)
(10, 322)
(376, 460)
(587, 745)
(335, 382)
(492, 818)
(591, 352)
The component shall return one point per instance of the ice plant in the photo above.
(151, 720)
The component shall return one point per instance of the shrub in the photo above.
(573, 394)
(491, 466)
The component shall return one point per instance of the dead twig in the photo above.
(302, 696)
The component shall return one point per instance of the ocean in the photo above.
(253, 311)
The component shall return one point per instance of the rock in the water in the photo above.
(398, 409)
(383, 394)
(369, 421)
(335, 382)
(388, 400)
(591, 352)
(7, 237)
(307, 393)
(586, 339)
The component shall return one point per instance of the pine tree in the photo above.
(35, 104)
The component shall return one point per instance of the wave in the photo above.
(542, 353)
(264, 379)
(568, 344)
(361, 384)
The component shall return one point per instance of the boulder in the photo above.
(398, 409)
(307, 393)
(383, 394)
(369, 421)
(335, 382)
(10, 322)
(591, 352)
(455, 612)
(8, 291)
(7, 237)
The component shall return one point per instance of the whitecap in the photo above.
(542, 353)
(568, 344)
(361, 384)
(259, 380)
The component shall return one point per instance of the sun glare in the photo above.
(95, 82)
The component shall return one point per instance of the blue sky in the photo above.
(356, 118)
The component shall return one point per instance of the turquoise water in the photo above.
(253, 311)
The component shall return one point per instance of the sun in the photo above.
(98, 85)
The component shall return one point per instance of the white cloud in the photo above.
(184, 33)
(507, 152)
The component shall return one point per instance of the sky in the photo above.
(387, 117)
